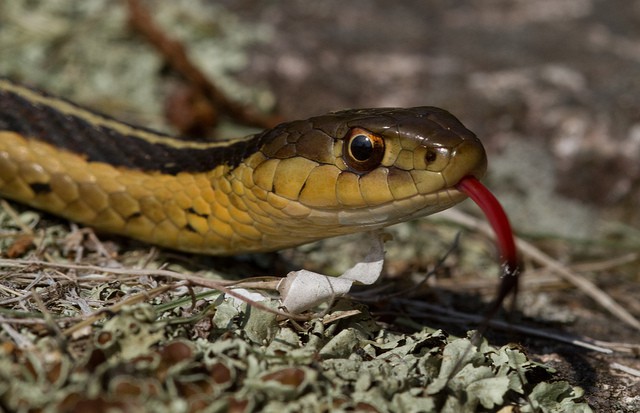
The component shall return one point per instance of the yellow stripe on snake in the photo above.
(344, 172)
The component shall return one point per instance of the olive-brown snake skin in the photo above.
(339, 173)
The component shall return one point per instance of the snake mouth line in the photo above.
(400, 210)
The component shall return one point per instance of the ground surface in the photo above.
(551, 87)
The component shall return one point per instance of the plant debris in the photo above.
(241, 359)
(302, 289)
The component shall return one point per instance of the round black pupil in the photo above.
(361, 147)
(432, 155)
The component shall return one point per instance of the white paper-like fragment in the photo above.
(250, 295)
(368, 271)
(303, 289)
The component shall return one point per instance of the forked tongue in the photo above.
(510, 263)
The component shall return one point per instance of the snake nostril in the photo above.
(435, 158)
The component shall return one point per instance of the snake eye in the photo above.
(363, 150)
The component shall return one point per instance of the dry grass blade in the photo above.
(222, 286)
(536, 255)
(14, 216)
(456, 316)
(626, 369)
(103, 312)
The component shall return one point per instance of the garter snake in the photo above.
(339, 173)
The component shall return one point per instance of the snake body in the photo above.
(301, 181)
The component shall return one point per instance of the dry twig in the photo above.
(176, 57)
(535, 254)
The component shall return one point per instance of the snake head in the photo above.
(362, 169)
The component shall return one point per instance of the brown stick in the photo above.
(176, 56)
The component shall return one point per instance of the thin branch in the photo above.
(535, 254)
(174, 53)
(223, 286)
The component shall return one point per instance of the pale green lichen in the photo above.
(130, 361)
(85, 52)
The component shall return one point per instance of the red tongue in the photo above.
(504, 235)
(495, 215)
